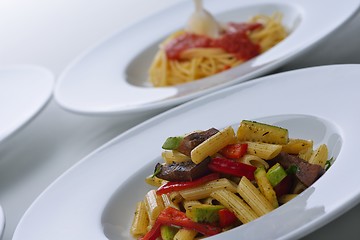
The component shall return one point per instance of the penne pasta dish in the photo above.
(214, 180)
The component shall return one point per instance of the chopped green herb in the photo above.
(292, 170)
(157, 170)
(328, 163)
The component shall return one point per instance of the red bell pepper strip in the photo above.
(177, 186)
(154, 232)
(226, 218)
(173, 217)
(234, 151)
(238, 169)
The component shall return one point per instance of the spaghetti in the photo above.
(184, 57)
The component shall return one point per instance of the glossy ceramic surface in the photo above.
(112, 76)
(99, 193)
(24, 90)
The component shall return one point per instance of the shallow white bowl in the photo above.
(112, 76)
(24, 91)
(95, 199)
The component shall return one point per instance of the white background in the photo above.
(53, 32)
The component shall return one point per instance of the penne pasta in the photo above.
(140, 221)
(264, 150)
(154, 205)
(168, 201)
(154, 181)
(213, 144)
(253, 197)
(174, 156)
(254, 161)
(235, 204)
(176, 197)
(209, 200)
(295, 146)
(189, 203)
(319, 156)
(205, 190)
(185, 234)
(265, 186)
(305, 154)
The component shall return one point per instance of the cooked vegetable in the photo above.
(168, 232)
(234, 151)
(177, 186)
(172, 217)
(238, 169)
(307, 173)
(261, 132)
(172, 143)
(275, 174)
(204, 213)
(227, 218)
(328, 164)
(284, 186)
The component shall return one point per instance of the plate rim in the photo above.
(47, 77)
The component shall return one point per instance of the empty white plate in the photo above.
(24, 90)
(112, 76)
(96, 198)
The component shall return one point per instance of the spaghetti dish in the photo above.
(215, 180)
(185, 57)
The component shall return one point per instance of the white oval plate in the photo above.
(112, 76)
(24, 90)
(95, 199)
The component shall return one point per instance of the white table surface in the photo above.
(51, 34)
